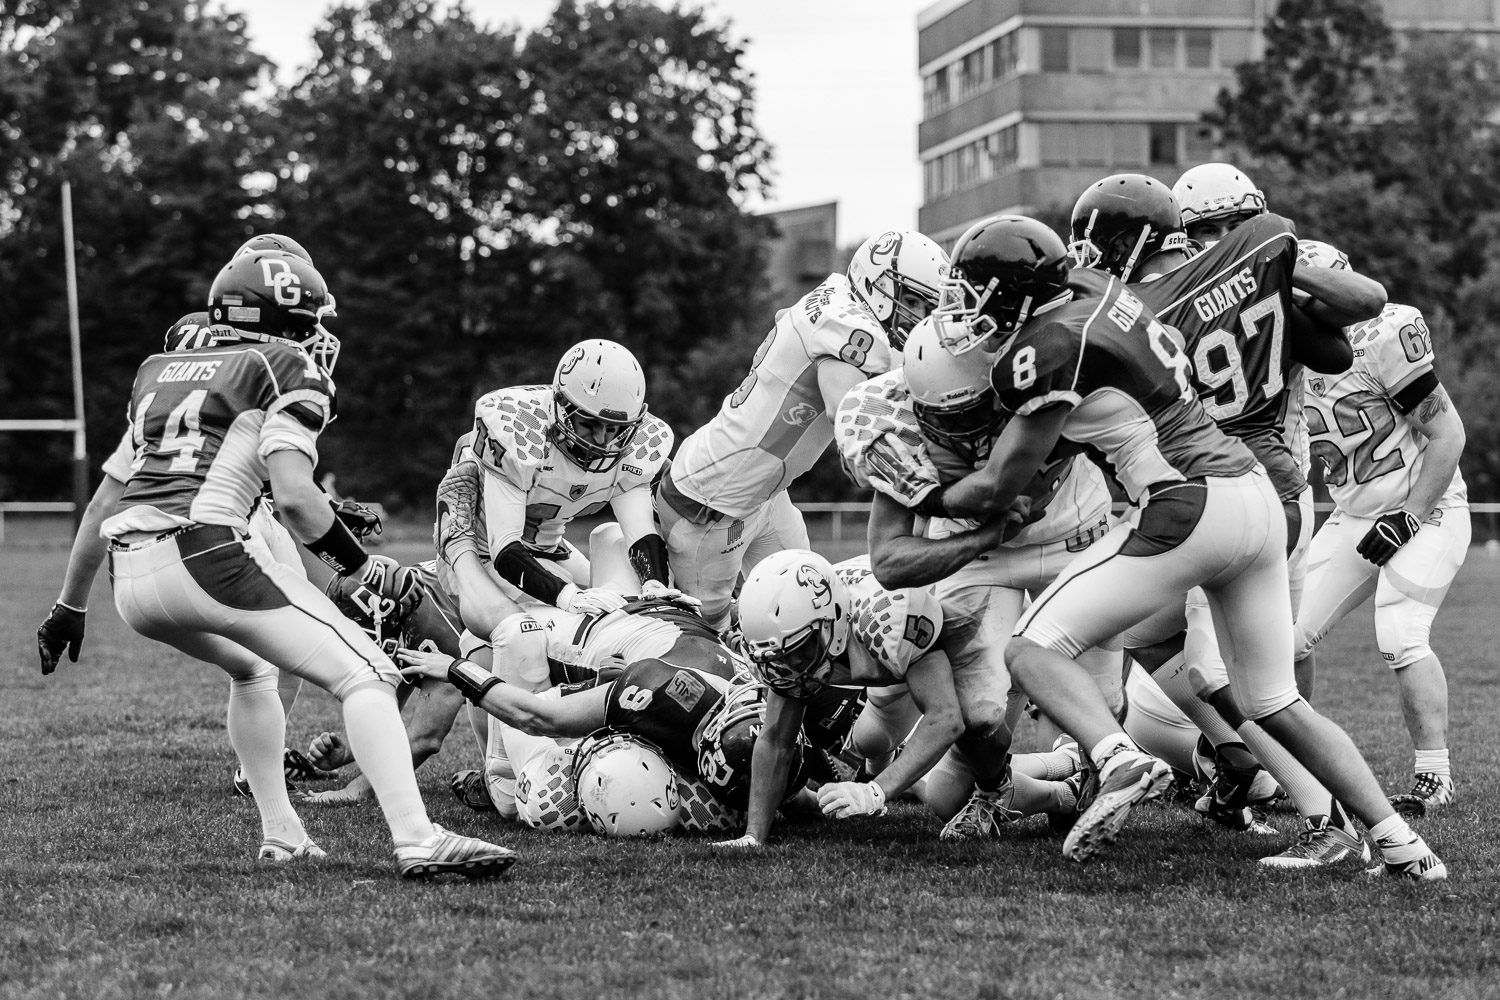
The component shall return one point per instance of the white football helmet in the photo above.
(794, 615)
(598, 403)
(890, 270)
(545, 798)
(1216, 190)
(625, 786)
(955, 403)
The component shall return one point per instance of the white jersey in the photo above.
(774, 426)
(597, 641)
(882, 448)
(117, 465)
(889, 630)
(1310, 253)
(1370, 451)
(532, 489)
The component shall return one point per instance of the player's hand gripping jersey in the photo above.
(1125, 378)
(883, 449)
(203, 423)
(774, 426)
(532, 490)
(1231, 304)
(1358, 420)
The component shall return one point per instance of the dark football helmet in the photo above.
(273, 241)
(728, 743)
(1001, 270)
(1121, 221)
(189, 333)
(269, 295)
(384, 619)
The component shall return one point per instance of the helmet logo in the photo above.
(284, 283)
(889, 247)
(571, 361)
(810, 578)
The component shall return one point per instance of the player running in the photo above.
(1081, 361)
(723, 504)
(211, 426)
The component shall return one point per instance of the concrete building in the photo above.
(804, 251)
(1026, 102)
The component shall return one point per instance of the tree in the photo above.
(149, 109)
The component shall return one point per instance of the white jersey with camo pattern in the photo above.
(774, 427)
(882, 448)
(888, 629)
(1370, 450)
(524, 468)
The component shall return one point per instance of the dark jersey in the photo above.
(202, 422)
(666, 705)
(1124, 376)
(436, 624)
(1231, 304)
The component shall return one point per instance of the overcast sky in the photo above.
(839, 98)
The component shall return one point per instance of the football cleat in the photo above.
(446, 853)
(296, 766)
(983, 815)
(469, 787)
(1318, 845)
(279, 850)
(1421, 866)
(1429, 793)
(1128, 778)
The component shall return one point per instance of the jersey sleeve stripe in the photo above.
(319, 401)
(1047, 399)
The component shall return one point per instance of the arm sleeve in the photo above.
(1041, 371)
(518, 567)
(634, 511)
(282, 431)
(504, 511)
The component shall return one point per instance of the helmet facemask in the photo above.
(596, 451)
(799, 665)
(896, 289)
(967, 429)
(967, 316)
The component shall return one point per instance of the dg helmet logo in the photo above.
(282, 280)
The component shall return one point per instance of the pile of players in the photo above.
(1089, 472)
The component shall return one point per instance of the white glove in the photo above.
(745, 843)
(594, 601)
(842, 799)
(654, 590)
(1315, 253)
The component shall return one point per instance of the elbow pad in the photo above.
(648, 557)
(517, 565)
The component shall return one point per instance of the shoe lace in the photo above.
(1426, 785)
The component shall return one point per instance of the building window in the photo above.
(1198, 44)
(1163, 143)
(1057, 144)
(1161, 45)
(935, 93)
(1055, 50)
(1127, 48)
(973, 163)
(1091, 144)
(971, 76)
(1005, 59)
(1127, 145)
(1091, 50)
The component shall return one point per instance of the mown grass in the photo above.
(125, 869)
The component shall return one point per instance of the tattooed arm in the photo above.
(1435, 419)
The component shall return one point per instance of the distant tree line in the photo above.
(477, 199)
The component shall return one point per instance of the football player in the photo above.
(906, 433)
(1081, 361)
(1390, 440)
(809, 626)
(211, 426)
(723, 504)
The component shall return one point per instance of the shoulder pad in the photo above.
(879, 443)
(898, 627)
(835, 324)
(510, 432)
(301, 389)
(649, 450)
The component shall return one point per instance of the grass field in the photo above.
(126, 871)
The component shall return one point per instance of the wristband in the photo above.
(932, 504)
(472, 680)
(879, 794)
(65, 604)
(340, 549)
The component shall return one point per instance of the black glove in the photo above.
(1386, 535)
(380, 597)
(359, 519)
(63, 628)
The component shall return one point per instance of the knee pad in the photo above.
(1402, 630)
(520, 645)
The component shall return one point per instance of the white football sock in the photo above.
(1433, 762)
(257, 729)
(499, 772)
(1306, 792)
(372, 724)
(1176, 679)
